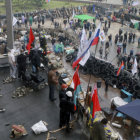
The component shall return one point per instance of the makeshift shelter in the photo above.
(131, 109)
(135, 23)
(84, 17)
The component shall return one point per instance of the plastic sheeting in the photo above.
(83, 17)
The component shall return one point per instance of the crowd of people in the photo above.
(121, 41)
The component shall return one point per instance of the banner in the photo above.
(85, 58)
(102, 36)
(93, 8)
(14, 21)
(135, 3)
(134, 69)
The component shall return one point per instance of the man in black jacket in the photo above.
(36, 61)
(66, 108)
(21, 61)
(62, 92)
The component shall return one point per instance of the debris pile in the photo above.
(23, 91)
(8, 80)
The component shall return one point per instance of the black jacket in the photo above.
(67, 105)
(21, 60)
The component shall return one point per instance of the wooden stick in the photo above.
(72, 121)
(48, 136)
(61, 128)
(57, 130)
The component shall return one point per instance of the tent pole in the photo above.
(114, 114)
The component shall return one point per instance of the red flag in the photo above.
(95, 102)
(77, 86)
(76, 79)
(31, 39)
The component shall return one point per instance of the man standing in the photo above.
(62, 92)
(43, 20)
(124, 47)
(134, 35)
(116, 39)
(106, 85)
(21, 61)
(130, 37)
(106, 45)
(122, 19)
(109, 23)
(26, 21)
(12, 63)
(30, 20)
(125, 37)
(98, 131)
(90, 33)
(105, 23)
(23, 19)
(139, 42)
(101, 52)
(131, 52)
(52, 81)
(35, 61)
(120, 32)
(118, 51)
(110, 39)
(66, 108)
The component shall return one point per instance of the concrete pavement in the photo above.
(29, 110)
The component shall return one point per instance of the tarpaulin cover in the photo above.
(132, 110)
(84, 17)
(135, 23)
(59, 48)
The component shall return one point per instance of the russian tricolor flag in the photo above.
(120, 68)
(92, 41)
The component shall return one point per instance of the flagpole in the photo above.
(90, 73)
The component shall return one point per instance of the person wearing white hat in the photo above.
(66, 108)
(69, 94)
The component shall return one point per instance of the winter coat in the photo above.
(52, 78)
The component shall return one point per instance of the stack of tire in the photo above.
(108, 72)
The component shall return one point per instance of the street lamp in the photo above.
(9, 18)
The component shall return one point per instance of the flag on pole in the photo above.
(83, 44)
(92, 41)
(77, 86)
(48, 1)
(135, 3)
(134, 69)
(95, 105)
(73, 14)
(31, 39)
(14, 21)
(120, 68)
(102, 36)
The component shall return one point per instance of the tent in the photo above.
(83, 17)
(131, 109)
